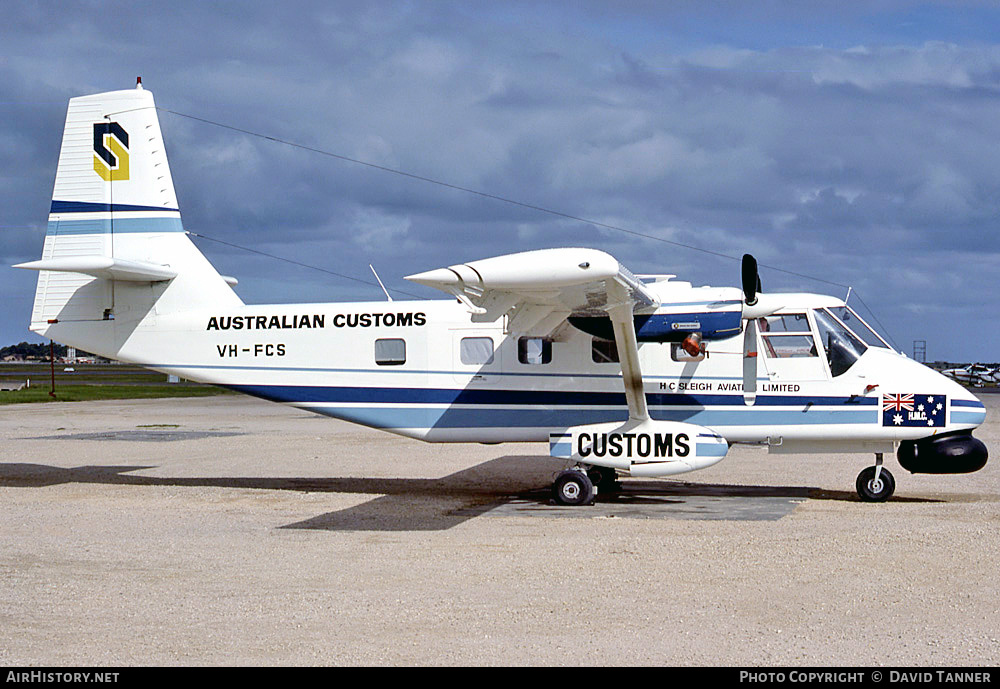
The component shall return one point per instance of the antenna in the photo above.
(380, 282)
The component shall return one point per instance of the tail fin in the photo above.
(115, 253)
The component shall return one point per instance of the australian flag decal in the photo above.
(929, 411)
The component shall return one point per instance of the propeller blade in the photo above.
(750, 363)
(751, 279)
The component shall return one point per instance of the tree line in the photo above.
(29, 350)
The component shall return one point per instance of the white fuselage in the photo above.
(322, 357)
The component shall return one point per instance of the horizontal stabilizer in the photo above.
(104, 267)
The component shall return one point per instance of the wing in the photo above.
(538, 290)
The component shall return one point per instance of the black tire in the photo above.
(573, 488)
(605, 479)
(875, 491)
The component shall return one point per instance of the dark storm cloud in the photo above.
(829, 141)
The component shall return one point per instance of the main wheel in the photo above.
(573, 488)
(872, 490)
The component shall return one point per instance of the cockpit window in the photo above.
(847, 316)
(787, 336)
(784, 323)
(842, 346)
(789, 346)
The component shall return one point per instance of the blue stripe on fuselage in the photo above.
(547, 409)
(540, 417)
(968, 403)
(971, 412)
(355, 395)
(971, 417)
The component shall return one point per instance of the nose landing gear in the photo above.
(875, 484)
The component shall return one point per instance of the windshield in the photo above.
(848, 317)
(842, 346)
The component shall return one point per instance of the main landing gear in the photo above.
(875, 484)
(605, 479)
(574, 487)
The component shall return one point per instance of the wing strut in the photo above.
(621, 314)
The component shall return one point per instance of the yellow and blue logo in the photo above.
(110, 151)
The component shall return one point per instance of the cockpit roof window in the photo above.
(853, 321)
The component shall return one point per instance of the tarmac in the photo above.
(230, 531)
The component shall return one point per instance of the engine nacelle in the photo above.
(647, 448)
(668, 327)
(952, 453)
(716, 313)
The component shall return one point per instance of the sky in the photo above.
(857, 144)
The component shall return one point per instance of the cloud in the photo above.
(845, 157)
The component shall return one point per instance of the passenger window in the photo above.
(604, 351)
(390, 352)
(476, 351)
(534, 350)
(787, 336)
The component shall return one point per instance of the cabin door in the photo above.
(788, 348)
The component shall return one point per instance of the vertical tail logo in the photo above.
(110, 151)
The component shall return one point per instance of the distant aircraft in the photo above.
(976, 375)
(621, 374)
(991, 376)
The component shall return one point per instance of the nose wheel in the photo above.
(875, 484)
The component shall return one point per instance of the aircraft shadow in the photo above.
(415, 504)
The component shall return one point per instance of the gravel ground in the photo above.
(228, 531)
